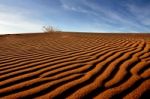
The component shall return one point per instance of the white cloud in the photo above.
(16, 20)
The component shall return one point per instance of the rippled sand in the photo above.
(75, 66)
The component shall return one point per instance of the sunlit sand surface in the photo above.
(75, 66)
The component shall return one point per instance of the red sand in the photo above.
(75, 66)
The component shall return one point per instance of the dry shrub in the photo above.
(50, 29)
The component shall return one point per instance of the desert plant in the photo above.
(50, 29)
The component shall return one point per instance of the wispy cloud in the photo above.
(75, 15)
(14, 20)
(142, 13)
(128, 18)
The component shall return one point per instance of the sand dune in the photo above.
(75, 66)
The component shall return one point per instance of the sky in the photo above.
(26, 16)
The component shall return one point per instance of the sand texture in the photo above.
(75, 66)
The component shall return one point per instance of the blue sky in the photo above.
(17, 16)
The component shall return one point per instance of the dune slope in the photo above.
(75, 66)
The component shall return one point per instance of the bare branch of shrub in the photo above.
(50, 29)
